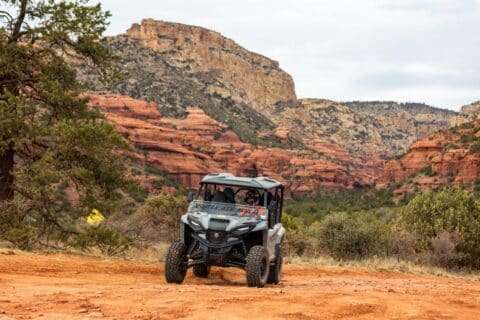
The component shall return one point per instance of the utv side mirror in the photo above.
(191, 196)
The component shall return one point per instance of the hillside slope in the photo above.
(179, 67)
(448, 157)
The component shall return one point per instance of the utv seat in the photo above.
(219, 196)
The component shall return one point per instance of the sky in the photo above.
(404, 50)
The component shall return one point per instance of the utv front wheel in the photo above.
(257, 267)
(176, 263)
(201, 270)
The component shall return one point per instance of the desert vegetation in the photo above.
(66, 182)
(438, 228)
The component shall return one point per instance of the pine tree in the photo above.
(50, 139)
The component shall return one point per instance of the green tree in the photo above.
(451, 210)
(50, 139)
(357, 236)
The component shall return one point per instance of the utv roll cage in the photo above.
(272, 196)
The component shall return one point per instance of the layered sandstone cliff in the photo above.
(245, 76)
(189, 148)
(449, 157)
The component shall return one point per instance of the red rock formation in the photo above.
(247, 76)
(189, 148)
(445, 158)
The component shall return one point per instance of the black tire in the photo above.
(257, 267)
(201, 270)
(176, 263)
(275, 274)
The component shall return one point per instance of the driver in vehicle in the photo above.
(251, 198)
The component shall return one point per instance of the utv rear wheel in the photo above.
(257, 267)
(275, 274)
(201, 270)
(176, 263)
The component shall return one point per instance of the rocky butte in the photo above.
(192, 101)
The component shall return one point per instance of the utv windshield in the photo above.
(226, 209)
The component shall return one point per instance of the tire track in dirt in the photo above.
(34, 286)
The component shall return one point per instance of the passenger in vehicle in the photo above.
(251, 198)
(230, 195)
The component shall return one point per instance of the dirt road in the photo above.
(71, 287)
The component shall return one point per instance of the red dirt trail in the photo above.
(69, 287)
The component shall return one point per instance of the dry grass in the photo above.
(156, 253)
(384, 264)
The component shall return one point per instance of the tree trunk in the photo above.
(6, 174)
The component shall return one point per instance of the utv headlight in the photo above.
(243, 229)
(195, 223)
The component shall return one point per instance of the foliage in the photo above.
(452, 210)
(162, 178)
(323, 203)
(108, 240)
(475, 147)
(443, 249)
(476, 186)
(351, 237)
(65, 161)
(428, 171)
(450, 146)
(157, 219)
(468, 138)
(466, 125)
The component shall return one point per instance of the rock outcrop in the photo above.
(245, 76)
(449, 157)
(191, 147)
(401, 124)
(472, 110)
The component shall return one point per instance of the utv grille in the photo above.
(215, 236)
(218, 224)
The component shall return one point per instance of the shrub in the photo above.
(352, 237)
(403, 245)
(108, 240)
(475, 147)
(326, 202)
(452, 210)
(298, 243)
(158, 218)
(476, 185)
(466, 125)
(292, 223)
(467, 138)
(428, 171)
(443, 252)
(450, 146)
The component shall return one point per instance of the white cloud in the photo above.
(409, 50)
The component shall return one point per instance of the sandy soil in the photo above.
(72, 287)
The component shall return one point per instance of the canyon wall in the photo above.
(192, 101)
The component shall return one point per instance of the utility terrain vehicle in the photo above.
(231, 222)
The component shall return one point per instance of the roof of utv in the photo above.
(231, 180)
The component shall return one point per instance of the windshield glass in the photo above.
(227, 209)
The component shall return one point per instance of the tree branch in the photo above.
(19, 22)
(5, 14)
